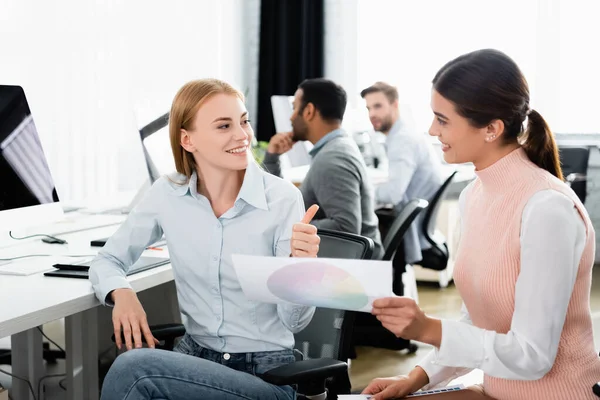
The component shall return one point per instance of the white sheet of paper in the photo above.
(322, 282)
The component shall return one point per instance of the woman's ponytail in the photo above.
(540, 146)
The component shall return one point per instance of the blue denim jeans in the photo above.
(193, 373)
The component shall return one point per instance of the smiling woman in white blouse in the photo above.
(524, 262)
(218, 203)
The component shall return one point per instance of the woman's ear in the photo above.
(186, 141)
(494, 130)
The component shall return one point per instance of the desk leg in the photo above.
(27, 362)
(81, 334)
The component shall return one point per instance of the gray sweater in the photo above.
(338, 182)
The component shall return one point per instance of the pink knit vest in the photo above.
(487, 267)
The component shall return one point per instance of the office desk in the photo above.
(379, 176)
(31, 301)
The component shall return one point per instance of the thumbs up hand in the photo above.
(305, 241)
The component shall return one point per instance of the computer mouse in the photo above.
(53, 240)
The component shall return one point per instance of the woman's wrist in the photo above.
(431, 332)
(418, 377)
(120, 293)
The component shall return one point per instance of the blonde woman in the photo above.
(219, 203)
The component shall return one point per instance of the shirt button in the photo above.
(214, 258)
(218, 225)
(226, 356)
(215, 289)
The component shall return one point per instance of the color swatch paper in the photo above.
(323, 282)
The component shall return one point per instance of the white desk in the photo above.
(31, 301)
(378, 176)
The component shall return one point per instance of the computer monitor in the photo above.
(157, 147)
(27, 193)
(283, 109)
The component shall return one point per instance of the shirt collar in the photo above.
(324, 140)
(251, 192)
(396, 128)
(253, 187)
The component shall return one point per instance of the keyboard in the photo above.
(74, 222)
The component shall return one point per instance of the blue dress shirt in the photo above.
(216, 312)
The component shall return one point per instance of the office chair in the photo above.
(368, 331)
(392, 243)
(574, 163)
(325, 343)
(436, 257)
(596, 388)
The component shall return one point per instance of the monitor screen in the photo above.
(298, 156)
(26, 178)
(157, 147)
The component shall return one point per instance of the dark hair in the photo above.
(388, 90)
(328, 98)
(487, 85)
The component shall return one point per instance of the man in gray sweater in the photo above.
(337, 179)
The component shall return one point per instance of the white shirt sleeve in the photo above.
(553, 237)
(440, 375)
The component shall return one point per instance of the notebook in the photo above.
(81, 270)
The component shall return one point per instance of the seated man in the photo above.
(337, 179)
(414, 168)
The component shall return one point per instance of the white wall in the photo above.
(407, 42)
(96, 71)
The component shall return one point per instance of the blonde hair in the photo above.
(186, 104)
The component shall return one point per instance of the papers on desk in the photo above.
(415, 394)
(322, 282)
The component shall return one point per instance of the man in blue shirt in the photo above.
(414, 168)
(337, 179)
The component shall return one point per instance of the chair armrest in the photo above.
(167, 331)
(316, 370)
(164, 332)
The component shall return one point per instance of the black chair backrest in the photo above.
(328, 334)
(574, 160)
(401, 223)
(430, 216)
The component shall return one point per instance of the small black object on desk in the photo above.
(98, 242)
(53, 240)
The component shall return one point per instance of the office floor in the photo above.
(371, 362)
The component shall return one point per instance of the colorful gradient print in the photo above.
(318, 283)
